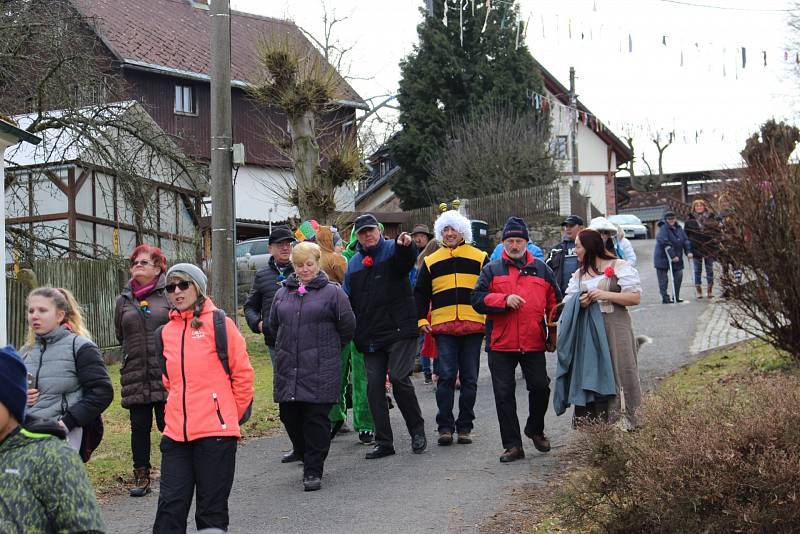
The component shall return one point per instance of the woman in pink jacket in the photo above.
(205, 402)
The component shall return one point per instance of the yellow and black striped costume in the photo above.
(445, 281)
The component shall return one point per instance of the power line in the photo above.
(728, 8)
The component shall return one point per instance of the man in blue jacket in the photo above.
(386, 328)
(671, 244)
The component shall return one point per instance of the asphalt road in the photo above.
(448, 488)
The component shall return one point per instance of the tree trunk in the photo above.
(305, 153)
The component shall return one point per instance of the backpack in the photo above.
(221, 342)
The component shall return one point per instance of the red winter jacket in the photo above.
(523, 329)
(202, 400)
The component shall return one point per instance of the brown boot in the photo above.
(710, 291)
(698, 291)
(141, 482)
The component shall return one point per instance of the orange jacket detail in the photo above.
(202, 401)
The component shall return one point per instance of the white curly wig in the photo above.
(456, 221)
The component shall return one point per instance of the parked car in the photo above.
(631, 225)
(252, 254)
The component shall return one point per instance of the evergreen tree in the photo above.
(475, 61)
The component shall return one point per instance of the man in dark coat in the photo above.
(386, 332)
(671, 244)
(563, 259)
(267, 282)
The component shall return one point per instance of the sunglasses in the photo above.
(143, 263)
(183, 285)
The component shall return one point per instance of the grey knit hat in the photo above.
(192, 271)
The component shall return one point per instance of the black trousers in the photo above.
(205, 467)
(503, 365)
(141, 425)
(309, 429)
(397, 360)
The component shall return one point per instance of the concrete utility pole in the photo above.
(573, 103)
(223, 270)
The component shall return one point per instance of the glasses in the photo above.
(183, 285)
(143, 263)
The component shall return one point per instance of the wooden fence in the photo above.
(531, 204)
(95, 284)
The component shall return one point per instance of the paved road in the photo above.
(447, 488)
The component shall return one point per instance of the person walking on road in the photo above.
(44, 486)
(312, 320)
(444, 286)
(69, 379)
(380, 294)
(562, 259)
(206, 400)
(140, 309)
(604, 392)
(702, 227)
(519, 294)
(266, 283)
(671, 244)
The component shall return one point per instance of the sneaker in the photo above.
(445, 438)
(512, 454)
(366, 437)
(464, 438)
(291, 457)
(379, 451)
(418, 443)
(428, 378)
(141, 482)
(312, 483)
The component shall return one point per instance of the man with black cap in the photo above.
(267, 281)
(386, 328)
(518, 293)
(563, 260)
(43, 484)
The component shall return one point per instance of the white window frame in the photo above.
(185, 100)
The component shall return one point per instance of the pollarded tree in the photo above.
(470, 56)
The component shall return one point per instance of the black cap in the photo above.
(669, 214)
(367, 220)
(572, 219)
(280, 234)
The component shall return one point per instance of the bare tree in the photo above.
(650, 181)
(493, 151)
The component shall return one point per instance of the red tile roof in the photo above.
(175, 36)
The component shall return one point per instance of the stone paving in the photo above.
(716, 329)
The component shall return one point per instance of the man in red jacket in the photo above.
(518, 293)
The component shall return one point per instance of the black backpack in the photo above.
(221, 341)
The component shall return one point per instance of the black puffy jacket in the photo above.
(266, 284)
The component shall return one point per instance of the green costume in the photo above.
(354, 372)
(43, 487)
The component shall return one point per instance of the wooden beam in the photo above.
(71, 224)
(57, 181)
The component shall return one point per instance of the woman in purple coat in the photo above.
(311, 321)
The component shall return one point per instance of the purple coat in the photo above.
(310, 331)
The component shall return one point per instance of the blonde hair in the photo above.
(304, 251)
(201, 299)
(64, 300)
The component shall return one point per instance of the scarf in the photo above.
(140, 291)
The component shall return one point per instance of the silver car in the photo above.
(252, 254)
(631, 225)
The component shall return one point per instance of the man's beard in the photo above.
(517, 255)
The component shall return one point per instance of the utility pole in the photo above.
(573, 103)
(223, 270)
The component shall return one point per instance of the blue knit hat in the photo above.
(515, 227)
(13, 383)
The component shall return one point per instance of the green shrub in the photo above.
(729, 462)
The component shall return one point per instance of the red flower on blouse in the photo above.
(609, 272)
(367, 261)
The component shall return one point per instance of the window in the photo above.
(185, 101)
(259, 247)
(560, 150)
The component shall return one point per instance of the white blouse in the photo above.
(627, 276)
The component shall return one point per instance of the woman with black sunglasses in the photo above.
(141, 308)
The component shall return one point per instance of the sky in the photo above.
(627, 55)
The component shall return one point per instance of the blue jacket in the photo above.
(675, 238)
(536, 251)
(584, 372)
